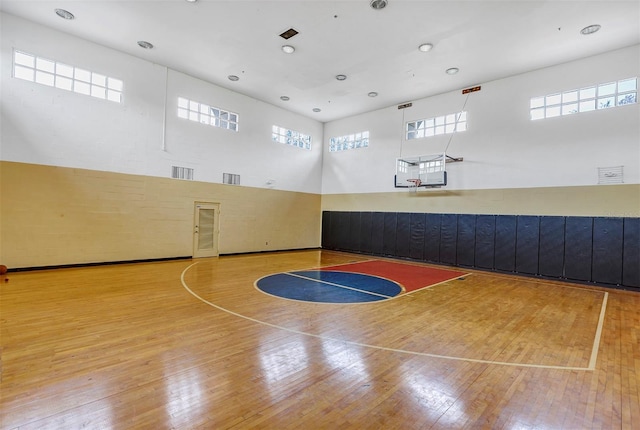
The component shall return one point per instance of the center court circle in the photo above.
(325, 286)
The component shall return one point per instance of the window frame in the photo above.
(436, 126)
(43, 71)
(357, 140)
(290, 137)
(586, 99)
(207, 114)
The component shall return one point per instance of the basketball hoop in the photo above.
(414, 184)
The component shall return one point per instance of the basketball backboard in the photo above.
(421, 171)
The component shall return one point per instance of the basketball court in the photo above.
(449, 314)
(207, 344)
(372, 214)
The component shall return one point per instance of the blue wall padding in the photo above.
(327, 235)
(601, 250)
(631, 253)
(403, 235)
(551, 251)
(340, 229)
(416, 246)
(377, 232)
(354, 231)
(527, 244)
(607, 250)
(466, 240)
(432, 237)
(578, 246)
(505, 245)
(390, 230)
(448, 238)
(366, 244)
(485, 241)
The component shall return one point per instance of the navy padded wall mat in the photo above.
(601, 250)
(416, 245)
(607, 250)
(432, 237)
(631, 253)
(466, 240)
(448, 238)
(366, 243)
(403, 235)
(354, 232)
(577, 248)
(390, 231)
(326, 230)
(377, 233)
(485, 241)
(551, 251)
(505, 245)
(527, 244)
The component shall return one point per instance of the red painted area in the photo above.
(409, 276)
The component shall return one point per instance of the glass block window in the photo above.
(65, 77)
(206, 114)
(445, 124)
(349, 141)
(290, 137)
(601, 96)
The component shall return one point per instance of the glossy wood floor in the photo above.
(197, 346)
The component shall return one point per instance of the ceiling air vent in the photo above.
(289, 34)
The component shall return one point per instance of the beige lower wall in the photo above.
(55, 216)
(598, 200)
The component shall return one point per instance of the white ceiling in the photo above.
(376, 49)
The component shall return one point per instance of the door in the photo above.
(205, 229)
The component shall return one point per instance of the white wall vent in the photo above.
(178, 172)
(610, 175)
(230, 178)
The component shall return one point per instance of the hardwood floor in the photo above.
(194, 345)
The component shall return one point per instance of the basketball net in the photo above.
(414, 184)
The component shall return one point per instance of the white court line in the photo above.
(428, 287)
(339, 285)
(596, 342)
(402, 351)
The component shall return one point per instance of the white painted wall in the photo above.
(502, 147)
(49, 126)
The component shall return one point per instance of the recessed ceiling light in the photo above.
(191, 1)
(233, 78)
(452, 71)
(65, 14)
(378, 4)
(284, 98)
(144, 44)
(590, 29)
(317, 109)
(288, 49)
(341, 77)
(425, 47)
(372, 94)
